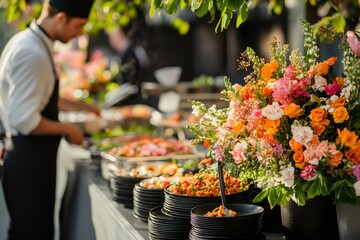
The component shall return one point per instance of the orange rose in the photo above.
(314, 141)
(353, 155)
(293, 110)
(335, 159)
(318, 114)
(299, 159)
(340, 115)
(338, 102)
(318, 128)
(295, 146)
(238, 127)
(346, 138)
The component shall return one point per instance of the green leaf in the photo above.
(202, 9)
(272, 197)
(234, 5)
(226, 18)
(195, 4)
(242, 14)
(313, 190)
(338, 22)
(172, 6)
(261, 196)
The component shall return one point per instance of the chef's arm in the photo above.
(69, 105)
(48, 127)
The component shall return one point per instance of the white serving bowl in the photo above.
(168, 76)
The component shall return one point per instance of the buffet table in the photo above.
(90, 213)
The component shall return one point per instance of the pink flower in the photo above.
(256, 113)
(238, 152)
(290, 72)
(282, 91)
(356, 172)
(353, 42)
(308, 173)
(332, 88)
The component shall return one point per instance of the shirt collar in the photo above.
(42, 34)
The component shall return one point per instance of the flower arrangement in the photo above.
(293, 128)
(82, 80)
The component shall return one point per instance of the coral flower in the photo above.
(346, 138)
(268, 69)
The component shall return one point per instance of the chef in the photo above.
(29, 106)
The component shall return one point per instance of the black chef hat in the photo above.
(74, 8)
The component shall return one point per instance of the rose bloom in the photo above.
(302, 134)
(353, 155)
(318, 128)
(318, 115)
(299, 159)
(308, 173)
(335, 158)
(287, 176)
(272, 111)
(340, 115)
(347, 138)
(293, 110)
(295, 146)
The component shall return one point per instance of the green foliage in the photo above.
(107, 13)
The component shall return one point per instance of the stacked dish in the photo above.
(145, 199)
(179, 206)
(162, 226)
(122, 189)
(244, 225)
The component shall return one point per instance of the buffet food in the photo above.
(206, 184)
(151, 147)
(219, 212)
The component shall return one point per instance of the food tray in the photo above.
(151, 158)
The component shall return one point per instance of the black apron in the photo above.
(30, 178)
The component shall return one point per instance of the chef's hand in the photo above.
(74, 134)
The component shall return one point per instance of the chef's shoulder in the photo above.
(25, 46)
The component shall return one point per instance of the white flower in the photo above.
(357, 188)
(287, 176)
(273, 111)
(320, 83)
(346, 91)
(302, 134)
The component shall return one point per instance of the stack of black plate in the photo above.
(176, 205)
(245, 225)
(146, 199)
(162, 226)
(122, 189)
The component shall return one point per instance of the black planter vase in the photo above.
(316, 220)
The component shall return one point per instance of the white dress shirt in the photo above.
(26, 80)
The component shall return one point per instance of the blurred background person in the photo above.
(132, 59)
